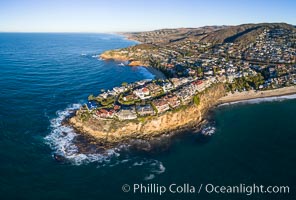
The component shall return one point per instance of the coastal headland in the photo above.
(110, 55)
(196, 69)
(115, 131)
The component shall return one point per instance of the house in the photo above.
(191, 72)
(119, 89)
(116, 107)
(127, 114)
(167, 87)
(173, 100)
(142, 93)
(176, 82)
(154, 89)
(209, 73)
(145, 110)
(104, 95)
(184, 80)
(104, 113)
(196, 83)
(140, 83)
(161, 105)
(130, 97)
(184, 95)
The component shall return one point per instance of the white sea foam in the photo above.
(61, 140)
(158, 167)
(138, 163)
(149, 177)
(121, 64)
(155, 167)
(208, 130)
(96, 56)
(259, 100)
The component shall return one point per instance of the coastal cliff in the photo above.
(114, 55)
(134, 58)
(114, 131)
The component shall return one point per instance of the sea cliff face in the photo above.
(122, 56)
(113, 131)
(114, 55)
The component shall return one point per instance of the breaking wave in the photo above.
(62, 140)
(91, 55)
(208, 130)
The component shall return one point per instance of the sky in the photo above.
(137, 15)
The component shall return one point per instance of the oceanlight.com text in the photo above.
(186, 188)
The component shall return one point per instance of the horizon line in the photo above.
(120, 32)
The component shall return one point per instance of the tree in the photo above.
(196, 100)
(199, 71)
(91, 97)
(215, 70)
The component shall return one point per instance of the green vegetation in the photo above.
(109, 101)
(196, 100)
(127, 102)
(84, 116)
(111, 53)
(247, 83)
(215, 70)
(179, 108)
(91, 97)
(105, 107)
(154, 108)
(143, 119)
(153, 62)
(199, 71)
(105, 102)
(124, 84)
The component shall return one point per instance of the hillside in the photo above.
(209, 34)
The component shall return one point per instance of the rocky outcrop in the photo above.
(135, 63)
(118, 56)
(113, 131)
(114, 55)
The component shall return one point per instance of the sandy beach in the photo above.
(240, 96)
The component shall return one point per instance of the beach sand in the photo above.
(240, 96)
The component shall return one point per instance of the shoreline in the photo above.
(127, 36)
(114, 131)
(158, 74)
(174, 123)
(100, 140)
(251, 95)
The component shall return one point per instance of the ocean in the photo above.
(44, 76)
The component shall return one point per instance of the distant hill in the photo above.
(241, 34)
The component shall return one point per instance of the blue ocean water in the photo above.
(44, 76)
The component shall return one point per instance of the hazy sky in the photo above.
(137, 15)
